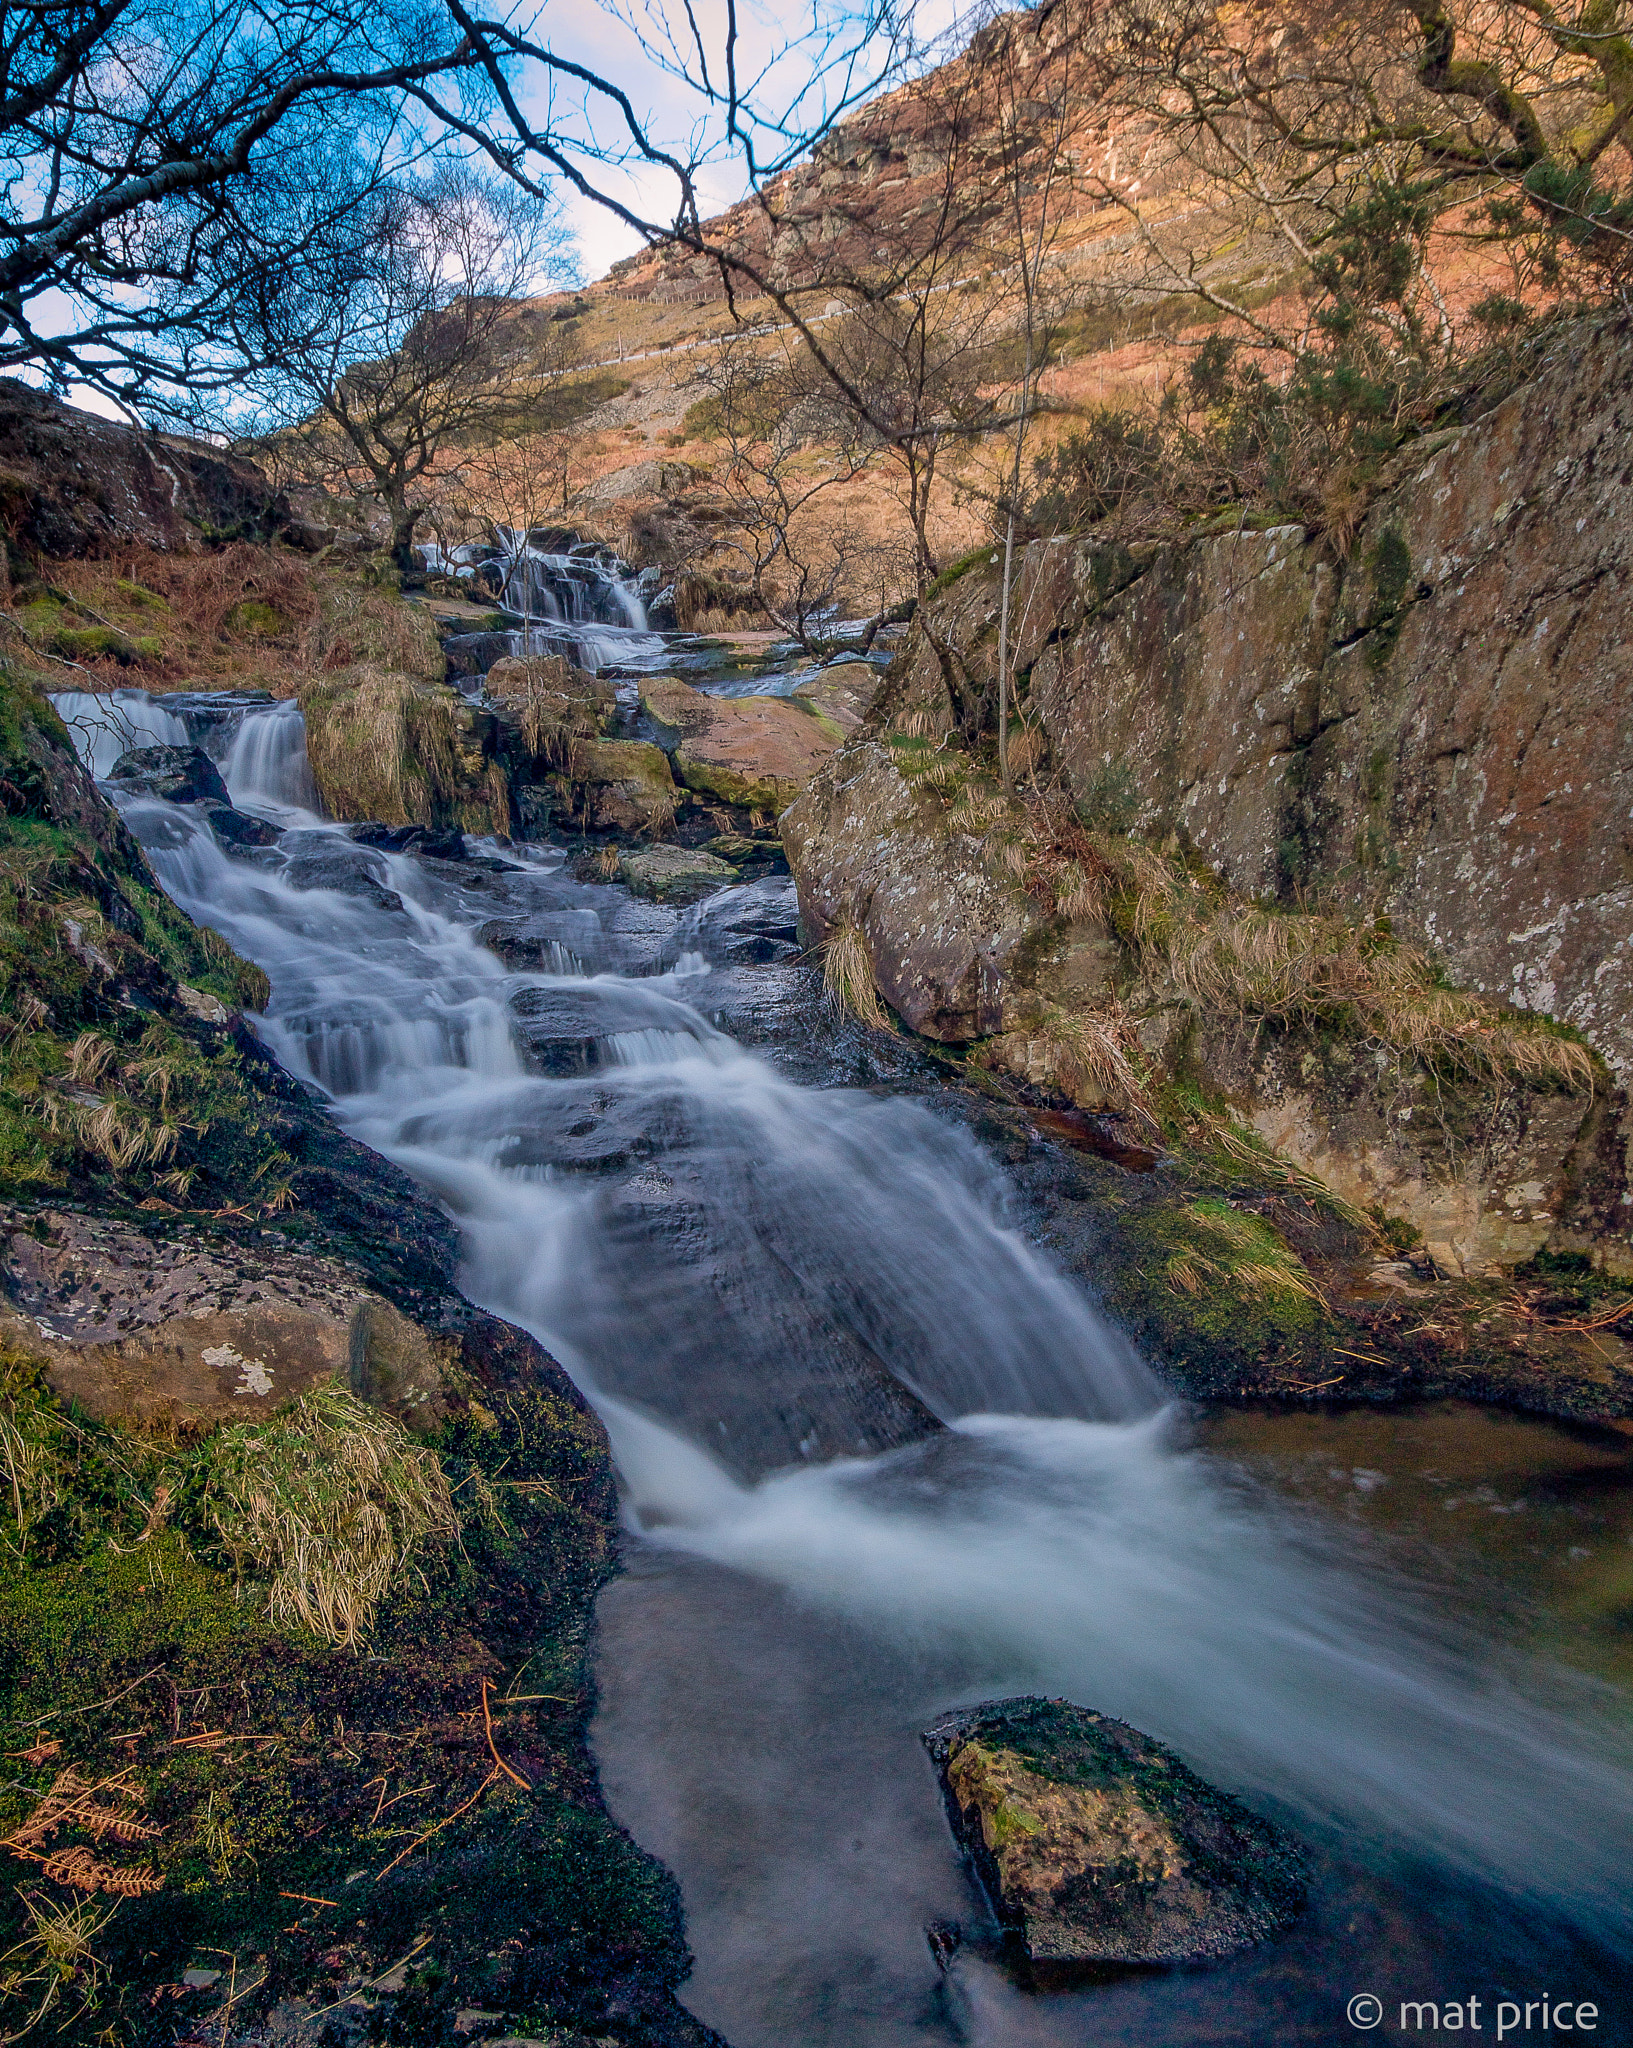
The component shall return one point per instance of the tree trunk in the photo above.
(404, 519)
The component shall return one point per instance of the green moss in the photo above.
(365, 1779)
(954, 571)
(1214, 1278)
(254, 619)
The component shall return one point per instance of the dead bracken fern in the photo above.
(329, 1502)
(847, 975)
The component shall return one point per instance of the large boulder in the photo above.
(758, 752)
(1097, 1845)
(950, 936)
(623, 785)
(181, 775)
(78, 485)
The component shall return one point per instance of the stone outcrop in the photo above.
(1096, 1845)
(1434, 734)
(757, 752)
(74, 484)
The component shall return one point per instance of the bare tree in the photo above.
(781, 468)
(404, 339)
(1369, 159)
(152, 150)
(1037, 105)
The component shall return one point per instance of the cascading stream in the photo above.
(702, 1242)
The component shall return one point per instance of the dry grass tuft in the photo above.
(1228, 1249)
(847, 975)
(1092, 1058)
(1300, 969)
(55, 1959)
(359, 624)
(330, 1500)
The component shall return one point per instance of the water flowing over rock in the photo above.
(181, 775)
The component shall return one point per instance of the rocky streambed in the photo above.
(882, 1455)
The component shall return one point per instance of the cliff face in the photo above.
(1439, 730)
(1432, 736)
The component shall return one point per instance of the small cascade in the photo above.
(106, 724)
(266, 764)
(584, 603)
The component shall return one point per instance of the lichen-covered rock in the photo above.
(622, 785)
(845, 693)
(674, 874)
(181, 775)
(1098, 1846)
(758, 752)
(945, 935)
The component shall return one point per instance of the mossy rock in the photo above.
(252, 618)
(674, 874)
(1097, 1846)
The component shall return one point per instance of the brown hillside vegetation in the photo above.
(1367, 207)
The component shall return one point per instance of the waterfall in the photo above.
(106, 724)
(260, 747)
(737, 1269)
(266, 764)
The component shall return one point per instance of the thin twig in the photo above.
(487, 1723)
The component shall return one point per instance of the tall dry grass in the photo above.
(847, 975)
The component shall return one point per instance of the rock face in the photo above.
(1096, 1845)
(181, 775)
(1436, 733)
(1439, 730)
(755, 751)
(83, 485)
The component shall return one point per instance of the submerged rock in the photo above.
(673, 874)
(1097, 1845)
(181, 775)
(237, 828)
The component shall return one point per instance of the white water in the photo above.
(108, 724)
(684, 1211)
